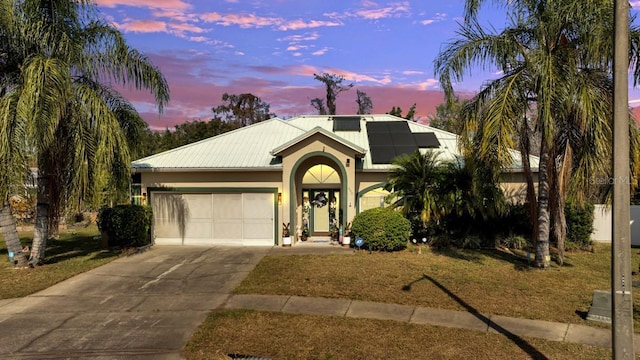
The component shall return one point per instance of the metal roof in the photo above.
(255, 147)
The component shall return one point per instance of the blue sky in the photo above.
(273, 48)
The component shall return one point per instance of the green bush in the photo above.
(126, 225)
(579, 226)
(382, 229)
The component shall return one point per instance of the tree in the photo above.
(242, 110)
(414, 184)
(447, 115)
(333, 85)
(364, 103)
(556, 59)
(450, 194)
(397, 111)
(73, 121)
(318, 104)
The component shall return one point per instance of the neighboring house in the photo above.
(311, 172)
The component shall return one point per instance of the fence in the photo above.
(602, 224)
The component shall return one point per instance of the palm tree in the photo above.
(74, 122)
(414, 184)
(556, 59)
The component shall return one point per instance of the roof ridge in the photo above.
(166, 152)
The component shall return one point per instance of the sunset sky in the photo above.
(272, 49)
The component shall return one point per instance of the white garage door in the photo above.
(213, 219)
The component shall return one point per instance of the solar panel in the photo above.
(380, 138)
(426, 140)
(382, 154)
(377, 127)
(346, 123)
(388, 139)
(404, 149)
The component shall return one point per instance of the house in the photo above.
(312, 173)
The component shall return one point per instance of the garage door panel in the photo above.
(214, 219)
(199, 229)
(199, 206)
(227, 206)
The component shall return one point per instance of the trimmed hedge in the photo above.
(126, 225)
(382, 229)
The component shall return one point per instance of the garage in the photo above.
(244, 219)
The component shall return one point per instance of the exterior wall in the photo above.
(223, 181)
(514, 186)
(602, 216)
(296, 160)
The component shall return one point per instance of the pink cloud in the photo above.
(242, 20)
(143, 26)
(162, 4)
(247, 21)
(393, 10)
(301, 24)
(182, 27)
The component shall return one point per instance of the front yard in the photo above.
(491, 282)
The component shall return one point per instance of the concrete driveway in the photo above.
(140, 307)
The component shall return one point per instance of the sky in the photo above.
(273, 48)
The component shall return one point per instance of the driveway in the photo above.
(139, 307)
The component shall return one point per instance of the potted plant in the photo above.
(346, 239)
(286, 234)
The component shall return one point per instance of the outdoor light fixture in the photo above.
(348, 162)
(279, 198)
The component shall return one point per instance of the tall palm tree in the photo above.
(75, 122)
(555, 58)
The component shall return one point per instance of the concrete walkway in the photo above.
(146, 306)
(511, 327)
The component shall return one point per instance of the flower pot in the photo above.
(286, 241)
(346, 241)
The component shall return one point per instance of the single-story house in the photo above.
(313, 173)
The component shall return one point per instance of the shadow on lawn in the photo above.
(520, 262)
(59, 250)
(520, 342)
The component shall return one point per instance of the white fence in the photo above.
(602, 224)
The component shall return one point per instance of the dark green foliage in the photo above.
(382, 229)
(579, 226)
(126, 225)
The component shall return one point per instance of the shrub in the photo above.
(126, 225)
(382, 229)
(579, 226)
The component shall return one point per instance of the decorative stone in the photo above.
(600, 309)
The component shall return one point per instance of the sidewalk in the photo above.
(511, 327)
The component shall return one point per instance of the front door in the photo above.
(323, 211)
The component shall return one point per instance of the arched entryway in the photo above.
(318, 195)
(320, 201)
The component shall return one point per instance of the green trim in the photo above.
(364, 191)
(343, 184)
(226, 190)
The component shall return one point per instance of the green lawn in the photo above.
(77, 251)
(491, 282)
(488, 281)
(286, 336)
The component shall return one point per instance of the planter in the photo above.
(346, 241)
(286, 241)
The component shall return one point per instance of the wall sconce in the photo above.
(348, 162)
(279, 198)
(144, 198)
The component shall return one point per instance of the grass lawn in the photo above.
(77, 251)
(287, 336)
(490, 282)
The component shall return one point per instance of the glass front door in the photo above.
(321, 211)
